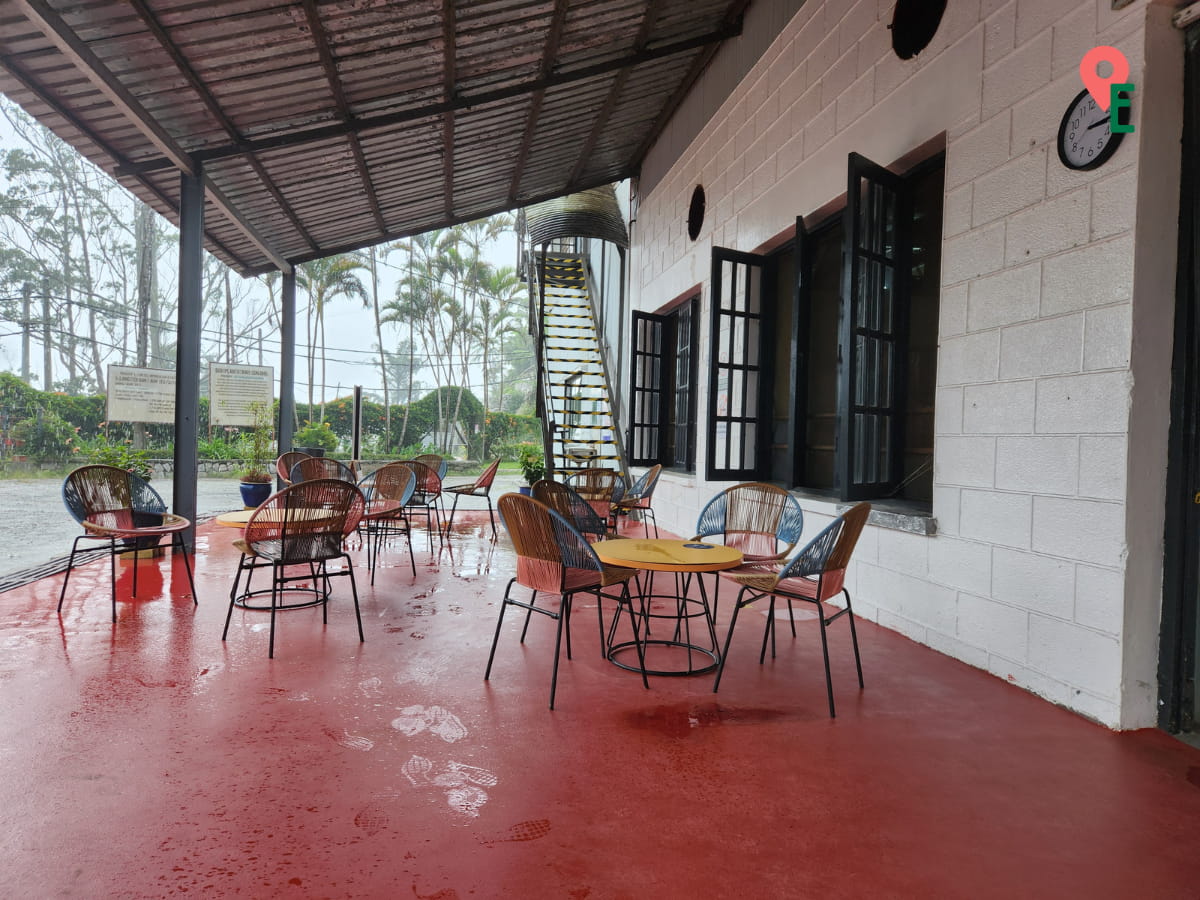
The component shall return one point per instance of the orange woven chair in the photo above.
(761, 520)
(395, 481)
(815, 575)
(639, 498)
(314, 467)
(286, 462)
(116, 506)
(554, 558)
(480, 487)
(302, 525)
(438, 463)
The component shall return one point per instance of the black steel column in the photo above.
(187, 356)
(287, 362)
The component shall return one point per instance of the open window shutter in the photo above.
(798, 377)
(735, 383)
(872, 327)
(687, 329)
(647, 392)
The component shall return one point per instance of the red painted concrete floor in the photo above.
(149, 759)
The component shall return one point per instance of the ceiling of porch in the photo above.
(322, 126)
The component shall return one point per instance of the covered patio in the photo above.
(147, 758)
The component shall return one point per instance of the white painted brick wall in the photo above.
(1025, 577)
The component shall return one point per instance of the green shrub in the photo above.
(45, 436)
(316, 434)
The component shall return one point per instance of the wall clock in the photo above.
(1085, 136)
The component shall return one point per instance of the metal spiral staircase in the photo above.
(579, 431)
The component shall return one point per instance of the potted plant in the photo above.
(533, 466)
(259, 450)
(315, 438)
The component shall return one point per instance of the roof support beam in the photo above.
(73, 48)
(639, 44)
(461, 101)
(448, 93)
(214, 109)
(325, 53)
(549, 52)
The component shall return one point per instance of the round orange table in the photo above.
(685, 559)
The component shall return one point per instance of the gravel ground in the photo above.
(35, 527)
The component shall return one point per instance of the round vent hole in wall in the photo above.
(696, 213)
(914, 23)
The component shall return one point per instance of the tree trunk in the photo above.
(47, 348)
(26, 293)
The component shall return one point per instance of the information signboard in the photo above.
(141, 395)
(234, 390)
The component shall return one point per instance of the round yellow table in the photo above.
(685, 559)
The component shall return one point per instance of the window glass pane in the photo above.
(752, 341)
(737, 387)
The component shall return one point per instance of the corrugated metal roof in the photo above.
(327, 125)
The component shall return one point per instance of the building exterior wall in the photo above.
(1040, 495)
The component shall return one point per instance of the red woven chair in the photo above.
(313, 467)
(554, 558)
(286, 462)
(302, 525)
(815, 575)
(117, 506)
(480, 487)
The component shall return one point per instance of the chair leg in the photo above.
(564, 610)
(825, 653)
(737, 607)
(70, 565)
(791, 616)
(112, 567)
(453, 510)
(600, 619)
(237, 577)
(769, 630)
(499, 622)
(276, 574)
(187, 565)
(354, 594)
(854, 638)
(492, 516)
(563, 613)
(528, 614)
(626, 597)
(137, 552)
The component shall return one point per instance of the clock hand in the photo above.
(1096, 124)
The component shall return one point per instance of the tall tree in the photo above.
(325, 280)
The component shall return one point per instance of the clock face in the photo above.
(1085, 137)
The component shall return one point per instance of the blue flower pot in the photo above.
(254, 493)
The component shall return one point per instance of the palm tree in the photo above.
(325, 280)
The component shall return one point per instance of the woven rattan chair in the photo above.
(116, 506)
(565, 501)
(426, 497)
(554, 558)
(286, 462)
(815, 575)
(395, 481)
(305, 526)
(639, 497)
(436, 462)
(314, 467)
(480, 487)
(761, 520)
(600, 487)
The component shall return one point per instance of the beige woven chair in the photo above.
(286, 462)
(815, 575)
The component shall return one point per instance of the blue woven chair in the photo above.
(639, 497)
(814, 575)
(119, 507)
(395, 481)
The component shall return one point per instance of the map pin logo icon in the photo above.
(1097, 85)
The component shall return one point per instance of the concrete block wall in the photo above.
(1025, 576)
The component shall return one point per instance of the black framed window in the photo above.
(735, 383)
(834, 340)
(663, 405)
